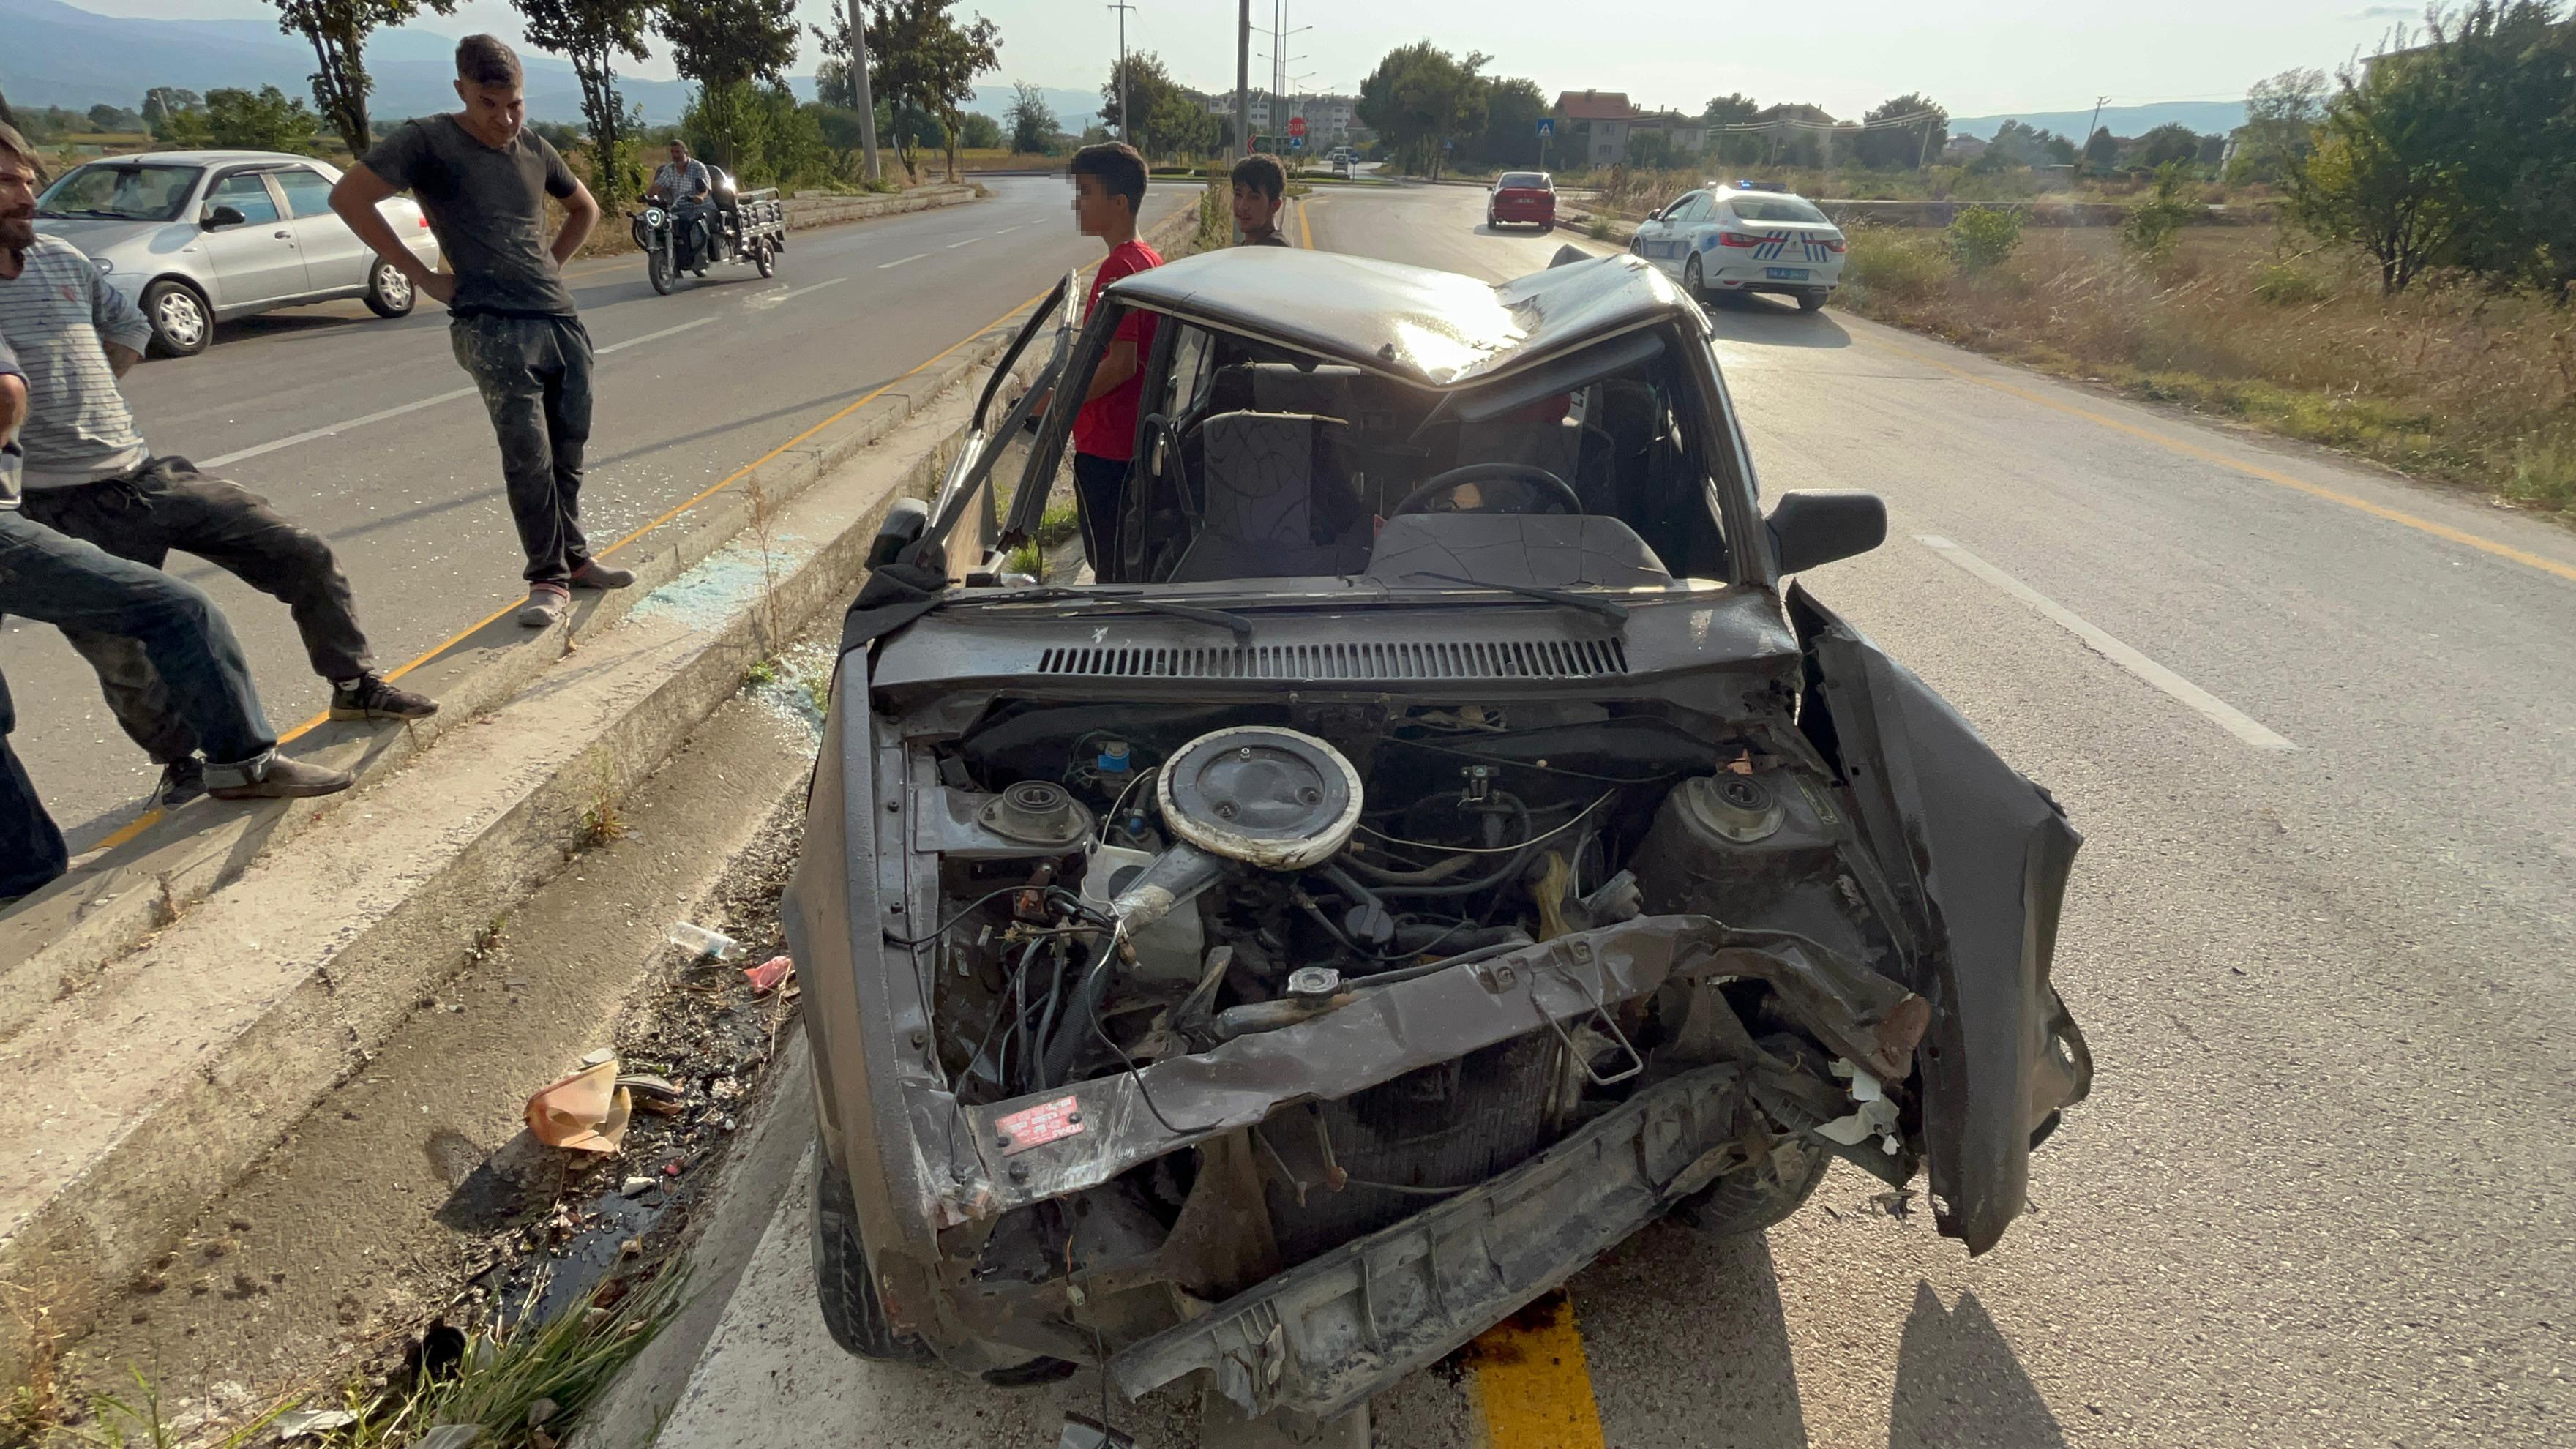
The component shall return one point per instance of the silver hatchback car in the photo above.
(197, 237)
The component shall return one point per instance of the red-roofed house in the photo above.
(1595, 127)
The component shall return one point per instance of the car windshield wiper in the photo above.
(1235, 624)
(1615, 613)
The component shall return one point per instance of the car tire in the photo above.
(1811, 301)
(182, 323)
(842, 1285)
(1693, 286)
(1545, 227)
(1741, 1204)
(389, 292)
(1490, 223)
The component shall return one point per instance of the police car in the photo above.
(1745, 236)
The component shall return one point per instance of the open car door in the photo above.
(964, 491)
(1976, 857)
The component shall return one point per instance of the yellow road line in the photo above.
(1305, 228)
(1533, 1383)
(2251, 470)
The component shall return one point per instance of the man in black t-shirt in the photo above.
(483, 179)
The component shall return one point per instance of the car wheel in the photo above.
(389, 292)
(182, 324)
(1490, 223)
(657, 270)
(1811, 301)
(1691, 283)
(1743, 1203)
(765, 259)
(851, 1308)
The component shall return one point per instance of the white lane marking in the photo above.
(916, 256)
(649, 337)
(818, 286)
(2216, 710)
(1006, 231)
(968, 242)
(350, 425)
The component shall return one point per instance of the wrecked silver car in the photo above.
(1430, 846)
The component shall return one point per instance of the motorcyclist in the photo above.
(682, 184)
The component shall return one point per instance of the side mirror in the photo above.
(903, 525)
(1808, 529)
(222, 216)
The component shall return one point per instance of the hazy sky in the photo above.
(1845, 55)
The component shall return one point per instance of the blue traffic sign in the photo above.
(1296, 143)
(1546, 126)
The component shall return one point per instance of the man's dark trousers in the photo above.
(55, 579)
(534, 373)
(31, 849)
(168, 505)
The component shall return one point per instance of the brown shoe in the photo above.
(274, 778)
(592, 574)
(547, 604)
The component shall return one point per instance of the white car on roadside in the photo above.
(1741, 236)
(193, 238)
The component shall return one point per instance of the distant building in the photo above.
(1330, 119)
(1597, 128)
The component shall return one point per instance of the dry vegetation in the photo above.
(2452, 380)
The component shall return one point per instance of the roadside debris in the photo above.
(301, 1423)
(768, 975)
(705, 944)
(586, 1111)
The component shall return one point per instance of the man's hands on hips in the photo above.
(437, 286)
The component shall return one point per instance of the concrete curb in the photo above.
(180, 1051)
(809, 211)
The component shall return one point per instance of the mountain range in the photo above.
(60, 55)
(2206, 117)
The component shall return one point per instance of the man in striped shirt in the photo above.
(87, 473)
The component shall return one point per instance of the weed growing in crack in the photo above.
(602, 820)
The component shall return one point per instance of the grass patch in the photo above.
(2450, 380)
(1057, 524)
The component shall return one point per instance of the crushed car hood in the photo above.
(1429, 327)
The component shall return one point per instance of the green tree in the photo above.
(1982, 238)
(267, 119)
(1903, 133)
(1033, 124)
(1650, 150)
(1794, 135)
(979, 132)
(1736, 147)
(592, 34)
(2164, 145)
(114, 118)
(2101, 150)
(725, 46)
(2281, 116)
(1512, 109)
(920, 56)
(338, 30)
(2152, 226)
(1420, 98)
(2016, 144)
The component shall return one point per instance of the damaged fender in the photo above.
(1978, 858)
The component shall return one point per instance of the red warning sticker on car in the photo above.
(1039, 1125)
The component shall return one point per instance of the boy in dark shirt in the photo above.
(1259, 189)
(1108, 191)
(482, 179)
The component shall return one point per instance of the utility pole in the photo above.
(859, 73)
(2098, 103)
(1243, 83)
(1126, 133)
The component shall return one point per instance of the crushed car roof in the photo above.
(1425, 326)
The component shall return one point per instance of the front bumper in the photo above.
(1324, 1336)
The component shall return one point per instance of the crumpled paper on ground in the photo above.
(586, 1111)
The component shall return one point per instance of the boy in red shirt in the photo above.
(1108, 191)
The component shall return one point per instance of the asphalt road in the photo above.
(689, 388)
(2314, 724)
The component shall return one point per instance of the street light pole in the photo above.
(859, 73)
(1243, 83)
(1126, 132)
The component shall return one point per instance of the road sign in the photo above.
(1546, 127)
(1296, 143)
(1296, 125)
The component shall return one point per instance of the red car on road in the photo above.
(1522, 198)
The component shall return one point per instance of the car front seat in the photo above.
(1277, 502)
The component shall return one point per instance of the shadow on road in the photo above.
(1760, 321)
(1669, 1291)
(1958, 1382)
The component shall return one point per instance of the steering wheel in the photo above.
(1534, 484)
